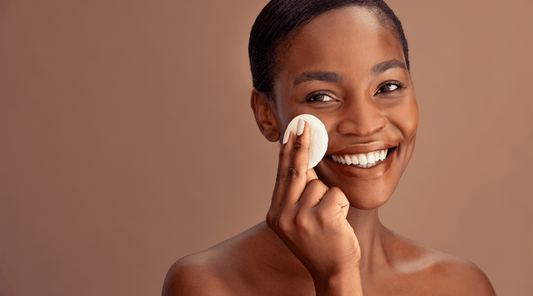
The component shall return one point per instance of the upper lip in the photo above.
(361, 148)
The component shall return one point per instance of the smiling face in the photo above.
(348, 69)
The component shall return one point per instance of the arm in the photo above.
(188, 277)
(348, 283)
(469, 280)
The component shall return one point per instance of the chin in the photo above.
(367, 203)
(364, 194)
(369, 197)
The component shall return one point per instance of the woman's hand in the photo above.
(310, 218)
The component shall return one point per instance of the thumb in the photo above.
(345, 207)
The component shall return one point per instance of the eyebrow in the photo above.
(337, 78)
(318, 75)
(384, 66)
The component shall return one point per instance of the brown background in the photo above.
(127, 140)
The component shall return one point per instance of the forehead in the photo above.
(348, 41)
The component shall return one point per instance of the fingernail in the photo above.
(300, 128)
(345, 202)
(286, 137)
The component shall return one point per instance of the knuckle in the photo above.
(292, 173)
(271, 219)
(284, 224)
(316, 184)
(302, 222)
(323, 216)
(297, 145)
(283, 153)
(336, 192)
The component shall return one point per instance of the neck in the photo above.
(370, 235)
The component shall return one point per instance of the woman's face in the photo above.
(348, 69)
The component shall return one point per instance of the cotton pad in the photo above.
(319, 137)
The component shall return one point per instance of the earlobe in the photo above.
(264, 116)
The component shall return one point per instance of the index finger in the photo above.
(292, 170)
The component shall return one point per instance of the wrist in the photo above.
(345, 283)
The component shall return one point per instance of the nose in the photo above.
(361, 117)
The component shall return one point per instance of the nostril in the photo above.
(362, 127)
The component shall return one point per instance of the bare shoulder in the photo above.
(461, 277)
(439, 272)
(194, 275)
(219, 271)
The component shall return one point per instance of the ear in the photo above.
(265, 116)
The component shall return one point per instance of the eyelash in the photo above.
(398, 85)
(312, 98)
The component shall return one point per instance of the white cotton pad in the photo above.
(319, 137)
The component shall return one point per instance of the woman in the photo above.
(345, 62)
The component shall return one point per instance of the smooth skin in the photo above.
(322, 235)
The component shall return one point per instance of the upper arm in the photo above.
(477, 283)
(465, 278)
(187, 278)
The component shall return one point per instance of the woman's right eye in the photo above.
(321, 98)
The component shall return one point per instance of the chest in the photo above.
(268, 285)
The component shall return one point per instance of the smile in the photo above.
(362, 160)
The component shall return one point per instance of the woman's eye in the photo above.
(389, 87)
(319, 98)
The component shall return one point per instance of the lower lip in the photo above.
(366, 173)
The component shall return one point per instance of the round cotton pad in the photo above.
(319, 137)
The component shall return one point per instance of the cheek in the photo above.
(405, 118)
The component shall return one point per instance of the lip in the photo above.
(361, 148)
(363, 173)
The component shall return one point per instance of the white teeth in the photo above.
(363, 160)
(348, 159)
(343, 160)
(370, 157)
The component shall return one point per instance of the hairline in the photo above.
(283, 43)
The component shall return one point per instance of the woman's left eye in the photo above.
(321, 98)
(389, 87)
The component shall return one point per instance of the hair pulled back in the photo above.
(280, 18)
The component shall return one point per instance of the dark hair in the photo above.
(280, 18)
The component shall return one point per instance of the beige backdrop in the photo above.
(127, 140)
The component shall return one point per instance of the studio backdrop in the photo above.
(128, 141)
